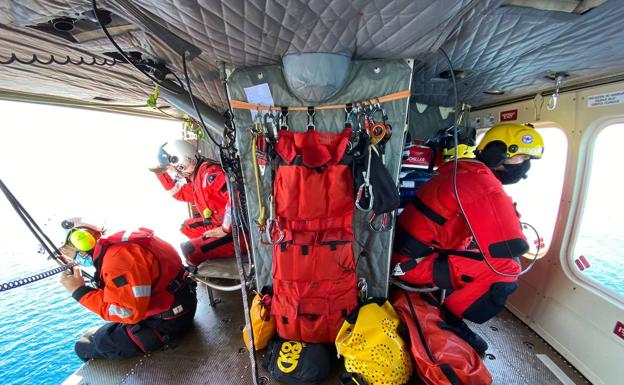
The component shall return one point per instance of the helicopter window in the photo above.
(598, 254)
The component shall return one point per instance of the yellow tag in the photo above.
(289, 356)
(207, 213)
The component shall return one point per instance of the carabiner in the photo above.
(385, 223)
(272, 227)
(311, 113)
(365, 189)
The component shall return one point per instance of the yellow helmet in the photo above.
(80, 235)
(81, 239)
(517, 138)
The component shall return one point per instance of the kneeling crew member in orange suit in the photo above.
(203, 183)
(433, 241)
(141, 286)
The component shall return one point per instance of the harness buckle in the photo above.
(397, 271)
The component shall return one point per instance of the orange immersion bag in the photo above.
(441, 357)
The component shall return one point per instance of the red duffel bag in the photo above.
(441, 357)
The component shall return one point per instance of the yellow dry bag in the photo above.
(371, 346)
(262, 322)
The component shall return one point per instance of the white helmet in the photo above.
(180, 154)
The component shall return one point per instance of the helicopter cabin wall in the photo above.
(571, 314)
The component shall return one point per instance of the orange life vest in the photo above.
(169, 267)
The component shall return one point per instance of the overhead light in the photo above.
(459, 74)
(493, 92)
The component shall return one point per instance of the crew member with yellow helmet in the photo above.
(434, 245)
(141, 286)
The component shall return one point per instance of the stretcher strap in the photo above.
(240, 105)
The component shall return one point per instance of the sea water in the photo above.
(39, 324)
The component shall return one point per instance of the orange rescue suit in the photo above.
(134, 273)
(432, 226)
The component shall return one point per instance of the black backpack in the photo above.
(298, 363)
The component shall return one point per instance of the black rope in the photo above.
(34, 228)
(68, 60)
(34, 278)
(199, 115)
(96, 11)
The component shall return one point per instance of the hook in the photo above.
(552, 103)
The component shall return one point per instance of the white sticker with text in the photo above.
(607, 99)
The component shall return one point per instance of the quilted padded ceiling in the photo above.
(512, 49)
(241, 33)
(502, 47)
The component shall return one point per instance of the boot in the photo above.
(456, 325)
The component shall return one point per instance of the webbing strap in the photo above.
(298, 161)
(216, 243)
(240, 105)
(428, 212)
(412, 248)
(442, 273)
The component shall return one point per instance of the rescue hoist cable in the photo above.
(458, 118)
(231, 165)
(37, 277)
(243, 280)
(39, 234)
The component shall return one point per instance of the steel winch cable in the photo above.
(37, 277)
(38, 233)
(458, 118)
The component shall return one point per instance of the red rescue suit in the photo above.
(207, 190)
(432, 226)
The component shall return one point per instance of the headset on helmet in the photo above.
(180, 154)
(506, 140)
(80, 235)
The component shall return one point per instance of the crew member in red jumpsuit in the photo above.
(434, 245)
(202, 182)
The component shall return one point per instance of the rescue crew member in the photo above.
(433, 243)
(141, 287)
(201, 182)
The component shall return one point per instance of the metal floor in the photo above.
(213, 353)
